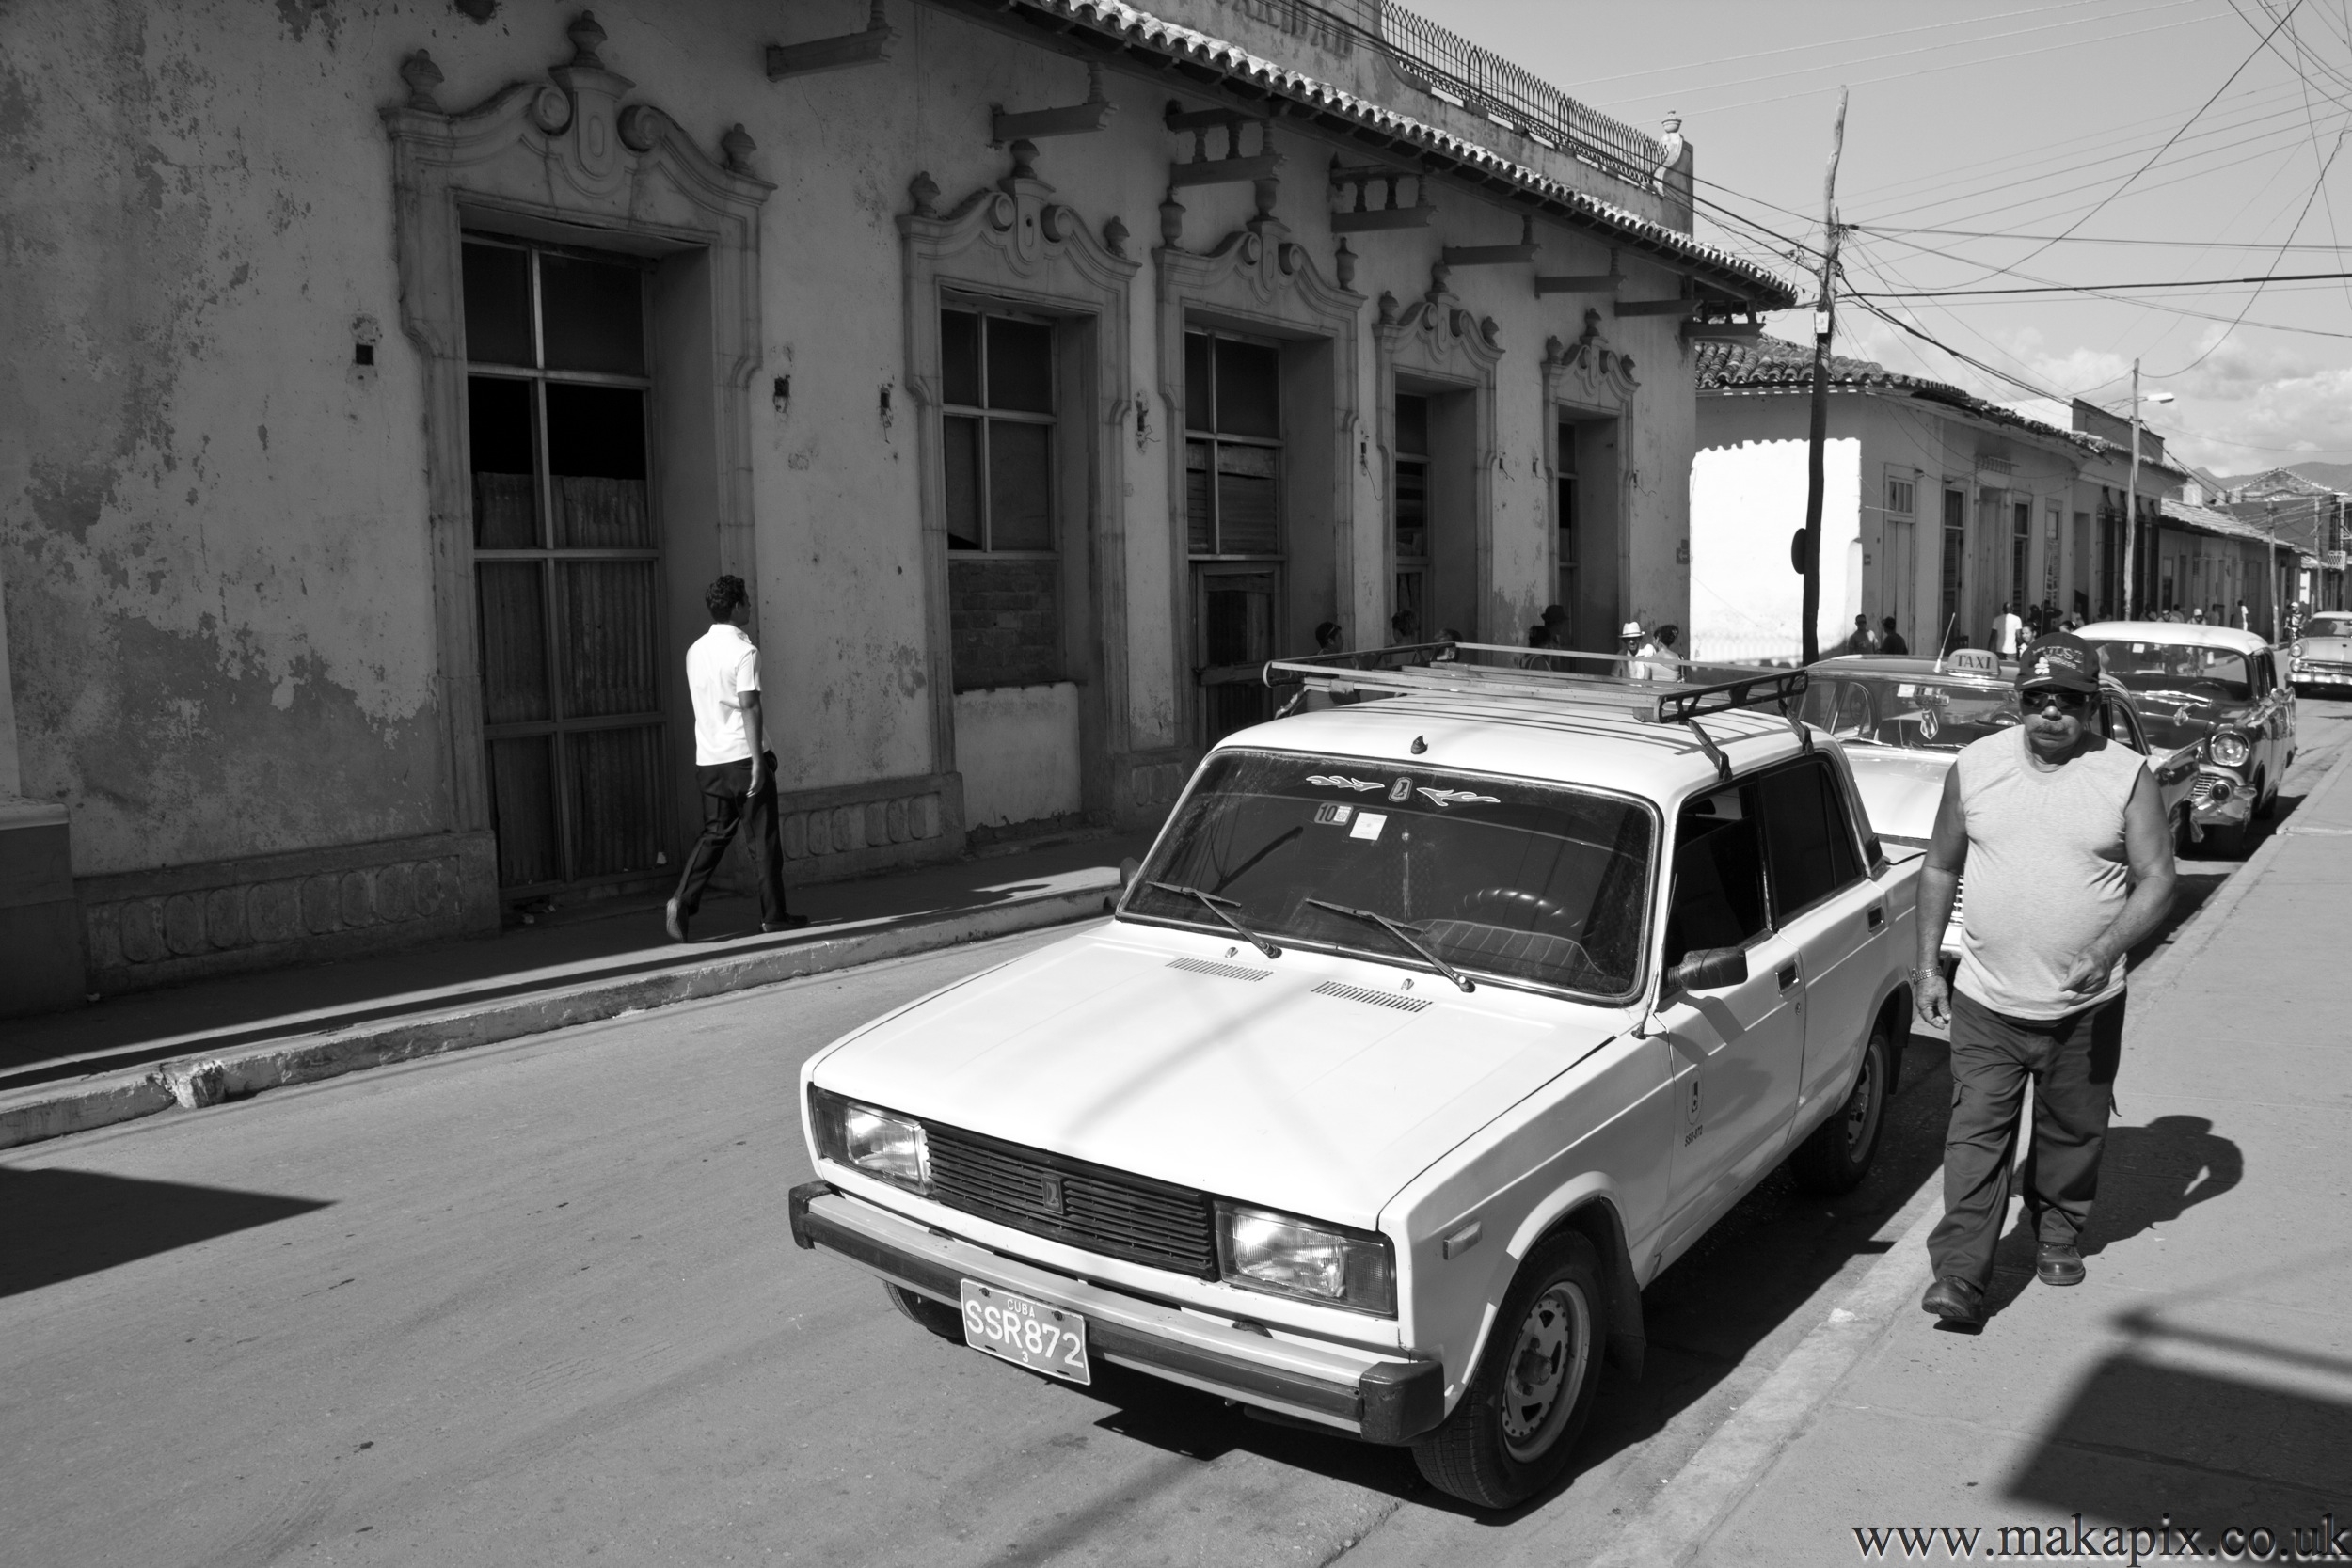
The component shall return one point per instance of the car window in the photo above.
(1809, 847)
(2329, 625)
(2179, 669)
(1718, 875)
(1518, 879)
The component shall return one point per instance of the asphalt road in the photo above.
(537, 1304)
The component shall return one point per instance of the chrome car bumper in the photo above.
(2322, 675)
(2235, 806)
(1378, 1400)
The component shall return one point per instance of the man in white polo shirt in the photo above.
(733, 764)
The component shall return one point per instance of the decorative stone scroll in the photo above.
(1588, 369)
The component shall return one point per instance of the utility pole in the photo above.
(1824, 318)
(2131, 497)
(2270, 563)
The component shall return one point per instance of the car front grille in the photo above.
(1086, 1206)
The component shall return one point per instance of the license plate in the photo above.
(1027, 1332)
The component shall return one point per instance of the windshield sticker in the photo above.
(1368, 824)
(1443, 798)
(1401, 791)
(1335, 813)
(1340, 781)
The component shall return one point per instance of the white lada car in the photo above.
(1434, 1027)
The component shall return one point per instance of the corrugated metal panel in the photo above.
(609, 650)
(617, 800)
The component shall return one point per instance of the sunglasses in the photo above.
(2041, 698)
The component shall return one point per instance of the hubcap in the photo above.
(1862, 1107)
(1547, 1368)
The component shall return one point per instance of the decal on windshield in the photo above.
(1368, 824)
(1333, 811)
(1401, 791)
(1443, 798)
(1341, 780)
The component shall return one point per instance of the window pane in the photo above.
(608, 653)
(1020, 366)
(1249, 390)
(1237, 619)
(1412, 426)
(597, 463)
(1807, 845)
(514, 630)
(1199, 407)
(1003, 619)
(522, 810)
(1200, 516)
(1020, 486)
(1246, 482)
(595, 315)
(498, 305)
(1718, 875)
(1413, 508)
(615, 778)
(960, 437)
(960, 358)
(498, 427)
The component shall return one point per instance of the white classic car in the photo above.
(1433, 1027)
(2322, 655)
(2218, 690)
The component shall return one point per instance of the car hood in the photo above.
(1900, 789)
(2333, 649)
(1120, 1049)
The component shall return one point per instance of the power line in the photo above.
(2114, 288)
(1889, 232)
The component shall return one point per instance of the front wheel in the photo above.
(1838, 1155)
(1518, 1422)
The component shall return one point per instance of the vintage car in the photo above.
(1903, 720)
(2322, 656)
(2220, 690)
(1433, 1026)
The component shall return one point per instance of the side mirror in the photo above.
(1127, 869)
(1709, 969)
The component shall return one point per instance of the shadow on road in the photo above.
(57, 1224)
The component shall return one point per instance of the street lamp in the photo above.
(2131, 495)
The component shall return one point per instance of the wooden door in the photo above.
(1233, 627)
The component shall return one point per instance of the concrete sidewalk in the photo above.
(2200, 1378)
(133, 1056)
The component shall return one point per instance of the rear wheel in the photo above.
(937, 1316)
(1837, 1155)
(1518, 1422)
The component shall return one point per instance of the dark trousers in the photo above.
(725, 809)
(2070, 1062)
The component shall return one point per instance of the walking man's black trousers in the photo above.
(725, 809)
(2070, 1062)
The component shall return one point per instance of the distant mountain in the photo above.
(2336, 476)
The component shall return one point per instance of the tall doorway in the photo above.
(1233, 525)
(567, 565)
(1950, 565)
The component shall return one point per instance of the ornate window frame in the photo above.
(1012, 242)
(563, 160)
(1436, 339)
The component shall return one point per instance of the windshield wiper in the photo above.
(1219, 906)
(1408, 935)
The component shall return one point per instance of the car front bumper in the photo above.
(2324, 675)
(1380, 1399)
(2235, 807)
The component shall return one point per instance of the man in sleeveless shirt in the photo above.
(2069, 863)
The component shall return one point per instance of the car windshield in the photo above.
(2179, 669)
(1922, 712)
(2329, 625)
(1507, 878)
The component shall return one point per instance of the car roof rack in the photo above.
(1452, 669)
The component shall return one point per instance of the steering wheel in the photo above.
(1529, 906)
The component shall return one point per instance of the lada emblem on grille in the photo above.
(1051, 1194)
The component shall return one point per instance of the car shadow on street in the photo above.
(58, 1224)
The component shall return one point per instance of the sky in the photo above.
(2077, 142)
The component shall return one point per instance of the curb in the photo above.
(1699, 1498)
(196, 1078)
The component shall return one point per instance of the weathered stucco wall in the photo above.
(210, 526)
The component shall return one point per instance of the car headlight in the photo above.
(1261, 1250)
(2231, 749)
(876, 1142)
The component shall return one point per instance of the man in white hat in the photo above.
(1629, 644)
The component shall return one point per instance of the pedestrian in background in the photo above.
(1330, 637)
(2068, 863)
(733, 764)
(2007, 630)
(1892, 644)
(1657, 661)
(1538, 639)
(1862, 642)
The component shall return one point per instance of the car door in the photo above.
(1834, 916)
(1737, 1051)
(2278, 731)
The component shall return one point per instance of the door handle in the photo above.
(1787, 975)
(1877, 917)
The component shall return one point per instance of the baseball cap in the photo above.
(2061, 659)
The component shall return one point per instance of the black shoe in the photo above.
(673, 921)
(1955, 1301)
(2057, 1263)
(789, 923)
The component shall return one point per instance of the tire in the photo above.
(1518, 1422)
(2230, 843)
(1837, 1155)
(937, 1316)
